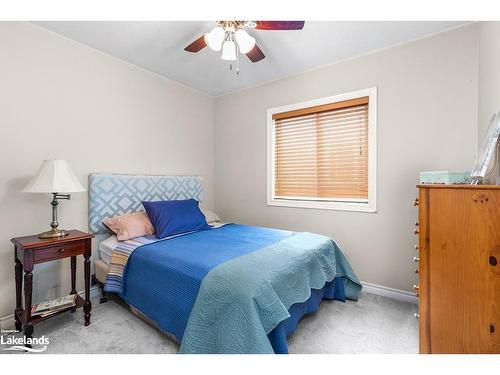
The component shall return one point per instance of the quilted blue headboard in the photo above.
(115, 194)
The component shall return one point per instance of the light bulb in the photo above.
(245, 41)
(228, 50)
(214, 38)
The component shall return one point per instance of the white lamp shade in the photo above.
(245, 41)
(214, 38)
(54, 176)
(228, 50)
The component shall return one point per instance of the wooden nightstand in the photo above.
(31, 250)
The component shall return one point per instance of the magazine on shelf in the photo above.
(47, 308)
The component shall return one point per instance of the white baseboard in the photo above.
(400, 295)
(7, 322)
(95, 292)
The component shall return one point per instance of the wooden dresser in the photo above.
(458, 268)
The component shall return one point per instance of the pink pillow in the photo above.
(130, 225)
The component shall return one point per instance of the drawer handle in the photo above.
(416, 202)
(60, 251)
(416, 315)
(493, 260)
(416, 231)
(416, 259)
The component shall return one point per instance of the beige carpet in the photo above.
(374, 324)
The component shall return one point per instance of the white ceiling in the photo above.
(159, 47)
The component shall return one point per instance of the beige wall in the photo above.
(489, 78)
(427, 114)
(59, 99)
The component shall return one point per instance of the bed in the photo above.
(230, 289)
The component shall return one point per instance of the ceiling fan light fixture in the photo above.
(228, 50)
(215, 38)
(230, 37)
(244, 40)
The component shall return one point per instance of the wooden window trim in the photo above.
(360, 97)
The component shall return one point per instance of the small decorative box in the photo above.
(444, 177)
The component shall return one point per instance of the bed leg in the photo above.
(104, 297)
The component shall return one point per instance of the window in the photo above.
(321, 154)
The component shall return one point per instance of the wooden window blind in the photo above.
(321, 152)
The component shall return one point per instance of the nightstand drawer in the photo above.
(58, 252)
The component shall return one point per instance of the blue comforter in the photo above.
(163, 279)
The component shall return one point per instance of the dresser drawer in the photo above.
(58, 251)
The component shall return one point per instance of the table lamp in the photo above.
(57, 178)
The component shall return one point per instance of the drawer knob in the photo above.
(416, 231)
(415, 202)
(417, 247)
(493, 260)
(417, 223)
(416, 259)
(415, 287)
(416, 315)
(416, 270)
(61, 251)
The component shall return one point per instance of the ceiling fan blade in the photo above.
(279, 25)
(197, 45)
(255, 54)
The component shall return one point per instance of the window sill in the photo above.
(324, 205)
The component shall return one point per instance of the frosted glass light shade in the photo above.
(228, 50)
(245, 41)
(54, 176)
(214, 38)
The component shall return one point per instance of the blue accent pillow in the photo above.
(175, 217)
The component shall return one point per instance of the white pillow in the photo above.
(109, 243)
(107, 247)
(210, 216)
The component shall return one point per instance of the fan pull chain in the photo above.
(231, 38)
(237, 59)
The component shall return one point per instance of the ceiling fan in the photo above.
(232, 38)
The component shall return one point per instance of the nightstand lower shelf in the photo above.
(37, 319)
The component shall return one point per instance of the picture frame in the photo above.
(479, 171)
